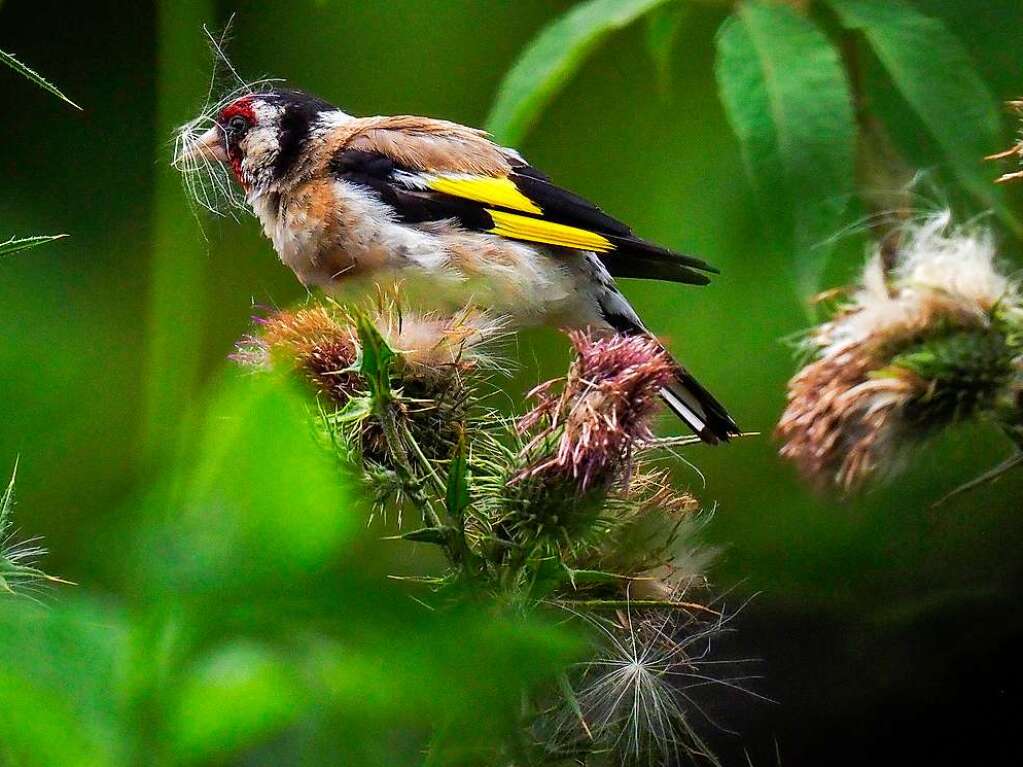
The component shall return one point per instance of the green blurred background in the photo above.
(882, 622)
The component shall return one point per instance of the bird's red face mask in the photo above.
(234, 122)
(225, 141)
(261, 137)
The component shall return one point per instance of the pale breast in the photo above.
(329, 232)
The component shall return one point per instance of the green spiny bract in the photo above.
(18, 573)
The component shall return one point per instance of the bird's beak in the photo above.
(209, 146)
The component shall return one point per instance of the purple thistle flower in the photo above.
(602, 411)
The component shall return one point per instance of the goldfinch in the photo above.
(439, 204)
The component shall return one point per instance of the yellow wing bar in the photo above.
(485, 189)
(518, 227)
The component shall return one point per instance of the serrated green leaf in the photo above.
(375, 360)
(15, 244)
(35, 77)
(551, 59)
(7, 502)
(662, 26)
(936, 77)
(787, 98)
(16, 570)
(457, 496)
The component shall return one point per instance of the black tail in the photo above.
(684, 396)
(698, 409)
(639, 259)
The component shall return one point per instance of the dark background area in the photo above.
(888, 629)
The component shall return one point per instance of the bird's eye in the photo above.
(237, 125)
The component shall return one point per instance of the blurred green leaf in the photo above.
(550, 60)
(935, 75)
(59, 697)
(15, 244)
(233, 698)
(662, 27)
(462, 670)
(788, 100)
(35, 77)
(257, 499)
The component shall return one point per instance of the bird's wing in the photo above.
(429, 170)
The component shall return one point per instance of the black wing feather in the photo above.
(632, 256)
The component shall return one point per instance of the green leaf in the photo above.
(439, 535)
(375, 360)
(662, 26)
(788, 100)
(936, 77)
(356, 409)
(35, 77)
(235, 697)
(61, 684)
(551, 59)
(7, 503)
(15, 244)
(582, 577)
(256, 501)
(457, 496)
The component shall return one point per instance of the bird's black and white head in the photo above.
(250, 142)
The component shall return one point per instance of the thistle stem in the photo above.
(412, 485)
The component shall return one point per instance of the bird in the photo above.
(439, 204)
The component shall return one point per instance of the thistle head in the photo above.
(322, 341)
(927, 340)
(588, 430)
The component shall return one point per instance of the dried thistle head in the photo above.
(588, 431)
(432, 345)
(321, 340)
(314, 340)
(929, 337)
(394, 384)
(1016, 150)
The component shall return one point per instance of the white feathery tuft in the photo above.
(208, 184)
(636, 698)
(940, 268)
